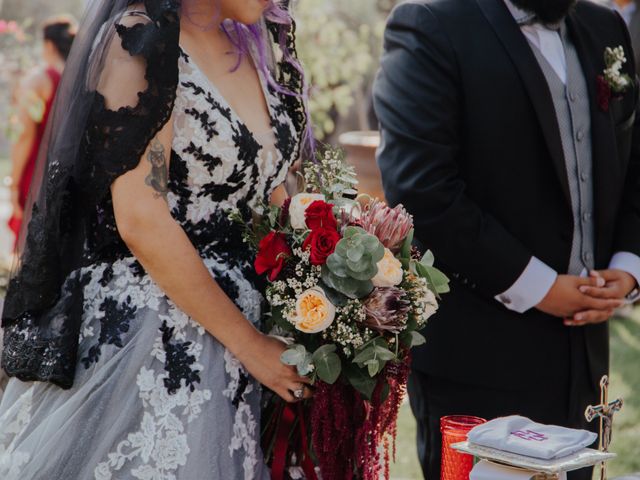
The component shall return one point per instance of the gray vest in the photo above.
(572, 106)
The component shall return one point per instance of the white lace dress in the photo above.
(155, 397)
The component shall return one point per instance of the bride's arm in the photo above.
(162, 247)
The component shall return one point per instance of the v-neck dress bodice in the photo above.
(217, 163)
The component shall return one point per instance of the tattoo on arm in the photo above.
(158, 178)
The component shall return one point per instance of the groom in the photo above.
(522, 170)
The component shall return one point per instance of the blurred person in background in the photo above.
(630, 12)
(34, 98)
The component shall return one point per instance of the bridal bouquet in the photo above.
(349, 292)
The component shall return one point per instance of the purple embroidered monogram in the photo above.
(530, 435)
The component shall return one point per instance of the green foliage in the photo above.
(339, 44)
(360, 379)
(351, 267)
(438, 282)
(330, 175)
(374, 356)
(327, 363)
(297, 356)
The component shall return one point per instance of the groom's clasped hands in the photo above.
(587, 300)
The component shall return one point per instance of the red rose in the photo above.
(320, 215)
(272, 254)
(322, 242)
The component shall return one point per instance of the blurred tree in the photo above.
(340, 43)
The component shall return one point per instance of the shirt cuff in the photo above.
(530, 288)
(630, 263)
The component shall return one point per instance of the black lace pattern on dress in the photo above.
(113, 325)
(178, 362)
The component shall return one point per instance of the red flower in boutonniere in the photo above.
(612, 81)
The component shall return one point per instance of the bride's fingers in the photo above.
(301, 391)
(604, 292)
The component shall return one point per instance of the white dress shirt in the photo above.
(537, 279)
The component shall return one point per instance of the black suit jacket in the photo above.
(471, 146)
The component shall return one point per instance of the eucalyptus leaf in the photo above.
(367, 274)
(373, 367)
(334, 296)
(336, 266)
(327, 363)
(417, 339)
(439, 280)
(383, 353)
(378, 253)
(360, 380)
(294, 355)
(428, 259)
(371, 243)
(359, 265)
(365, 355)
(342, 248)
(351, 231)
(355, 253)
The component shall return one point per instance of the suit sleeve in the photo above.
(628, 225)
(418, 99)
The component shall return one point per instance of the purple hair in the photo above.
(245, 37)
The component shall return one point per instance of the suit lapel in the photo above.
(516, 45)
(606, 171)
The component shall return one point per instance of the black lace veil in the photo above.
(117, 92)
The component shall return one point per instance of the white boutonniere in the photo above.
(612, 83)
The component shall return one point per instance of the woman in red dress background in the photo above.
(34, 100)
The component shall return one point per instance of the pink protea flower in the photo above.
(390, 225)
(387, 310)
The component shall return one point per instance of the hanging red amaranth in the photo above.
(335, 415)
(349, 429)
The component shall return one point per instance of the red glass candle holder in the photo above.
(456, 465)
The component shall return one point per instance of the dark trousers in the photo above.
(433, 398)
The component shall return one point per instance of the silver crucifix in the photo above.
(605, 412)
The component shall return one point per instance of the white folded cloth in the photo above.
(522, 436)
(485, 470)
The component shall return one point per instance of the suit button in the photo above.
(580, 135)
(573, 97)
(584, 177)
(504, 299)
(586, 216)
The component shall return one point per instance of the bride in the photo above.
(131, 320)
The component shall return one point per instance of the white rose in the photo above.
(389, 271)
(314, 311)
(298, 207)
